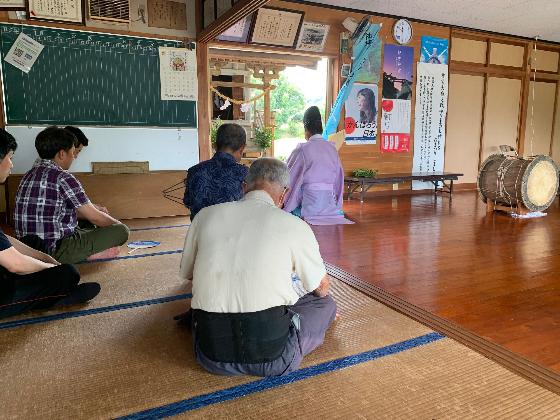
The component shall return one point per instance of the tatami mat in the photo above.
(112, 364)
(125, 281)
(148, 275)
(437, 381)
(170, 237)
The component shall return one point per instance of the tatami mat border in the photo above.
(131, 257)
(158, 228)
(277, 381)
(93, 311)
(514, 362)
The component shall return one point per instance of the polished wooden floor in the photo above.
(493, 275)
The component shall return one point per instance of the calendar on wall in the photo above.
(167, 14)
(57, 10)
(178, 74)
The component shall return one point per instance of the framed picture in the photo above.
(12, 4)
(312, 37)
(276, 27)
(345, 71)
(238, 32)
(68, 11)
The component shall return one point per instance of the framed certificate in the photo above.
(69, 11)
(312, 37)
(12, 4)
(276, 27)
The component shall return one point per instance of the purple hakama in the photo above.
(316, 183)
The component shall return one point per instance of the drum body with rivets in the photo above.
(510, 181)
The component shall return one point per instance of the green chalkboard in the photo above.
(87, 78)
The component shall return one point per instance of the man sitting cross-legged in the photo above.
(247, 318)
(220, 179)
(30, 279)
(50, 200)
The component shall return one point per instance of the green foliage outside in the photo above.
(214, 130)
(289, 103)
(263, 138)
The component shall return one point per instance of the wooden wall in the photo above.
(126, 196)
(367, 156)
(516, 105)
(489, 97)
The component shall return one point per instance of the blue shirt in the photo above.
(214, 181)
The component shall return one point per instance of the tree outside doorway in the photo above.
(297, 89)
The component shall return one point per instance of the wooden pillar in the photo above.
(204, 102)
(524, 105)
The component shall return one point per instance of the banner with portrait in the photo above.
(360, 124)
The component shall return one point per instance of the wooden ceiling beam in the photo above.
(239, 10)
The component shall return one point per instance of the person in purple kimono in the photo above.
(316, 177)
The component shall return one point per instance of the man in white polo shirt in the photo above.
(247, 317)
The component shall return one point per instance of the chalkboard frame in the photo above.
(182, 114)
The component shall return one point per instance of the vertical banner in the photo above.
(398, 64)
(360, 124)
(362, 51)
(395, 126)
(429, 123)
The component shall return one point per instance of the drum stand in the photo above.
(520, 209)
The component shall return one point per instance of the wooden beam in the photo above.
(239, 10)
(262, 56)
(217, 83)
(204, 102)
(547, 76)
(491, 70)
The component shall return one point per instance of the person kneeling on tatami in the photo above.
(50, 200)
(30, 279)
(247, 318)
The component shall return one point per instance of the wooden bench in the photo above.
(436, 178)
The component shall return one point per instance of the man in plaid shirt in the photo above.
(30, 279)
(50, 200)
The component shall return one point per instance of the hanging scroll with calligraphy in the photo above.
(167, 14)
(429, 124)
(57, 10)
(276, 27)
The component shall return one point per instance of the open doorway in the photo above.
(267, 94)
(297, 89)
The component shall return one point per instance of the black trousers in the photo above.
(40, 290)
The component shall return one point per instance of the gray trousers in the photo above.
(315, 316)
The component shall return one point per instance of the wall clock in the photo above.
(402, 31)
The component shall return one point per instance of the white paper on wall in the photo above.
(429, 120)
(24, 52)
(178, 74)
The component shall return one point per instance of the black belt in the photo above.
(252, 337)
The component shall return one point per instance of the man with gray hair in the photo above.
(247, 318)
